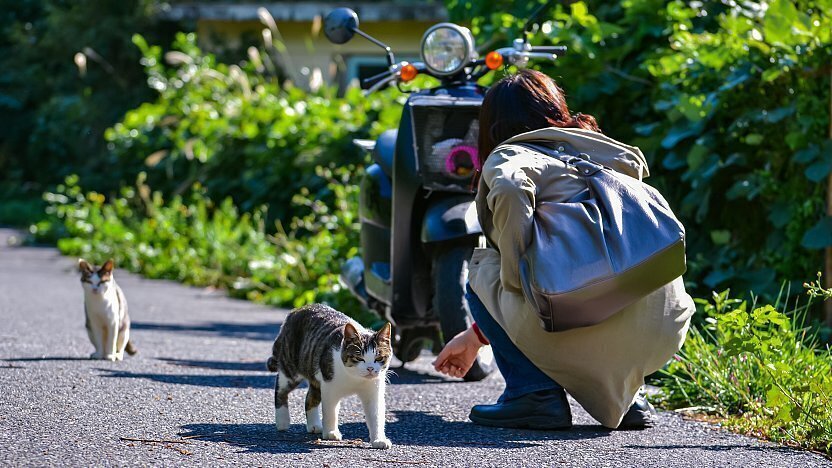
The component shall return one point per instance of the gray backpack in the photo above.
(603, 250)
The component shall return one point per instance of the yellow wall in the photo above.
(307, 51)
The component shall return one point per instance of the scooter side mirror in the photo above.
(340, 25)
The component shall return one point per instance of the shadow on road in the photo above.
(248, 331)
(218, 381)
(264, 379)
(50, 358)
(412, 428)
(250, 366)
(402, 376)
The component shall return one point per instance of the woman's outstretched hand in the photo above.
(459, 354)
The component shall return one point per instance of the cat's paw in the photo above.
(281, 419)
(95, 355)
(314, 425)
(383, 444)
(333, 435)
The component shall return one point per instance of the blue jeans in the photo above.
(520, 374)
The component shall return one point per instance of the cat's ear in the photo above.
(384, 334)
(84, 266)
(107, 267)
(350, 333)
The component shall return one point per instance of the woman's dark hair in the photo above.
(519, 103)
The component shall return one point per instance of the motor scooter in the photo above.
(419, 224)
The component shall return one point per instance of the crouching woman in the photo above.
(601, 366)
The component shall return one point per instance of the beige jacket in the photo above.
(601, 366)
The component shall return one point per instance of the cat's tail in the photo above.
(272, 364)
(130, 348)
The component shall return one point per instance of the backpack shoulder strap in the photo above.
(582, 162)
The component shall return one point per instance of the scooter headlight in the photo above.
(447, 48)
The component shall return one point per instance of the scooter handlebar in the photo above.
(375, 78)
(512, 55)
(521, 58)
(380, 83)
(556, 50)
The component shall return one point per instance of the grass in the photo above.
(196, 241)
(760, 370)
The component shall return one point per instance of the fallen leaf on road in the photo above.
(159, 441)
(355, 442)
(405, 462)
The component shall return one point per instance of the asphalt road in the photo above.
(199, 391)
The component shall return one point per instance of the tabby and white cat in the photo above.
(338, 358)
(105, 308)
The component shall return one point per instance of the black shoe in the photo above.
(640, 415)
(546, 409)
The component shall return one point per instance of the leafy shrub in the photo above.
(239, 132)
(16, 210)
(53, 113)
(196, 241)
(728, 100)
(746, 91)
(760, 369)
(269, 150)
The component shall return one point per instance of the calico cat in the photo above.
(338, 358)
(105, 308)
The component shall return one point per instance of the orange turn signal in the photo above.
(408, 72)
(494, 60)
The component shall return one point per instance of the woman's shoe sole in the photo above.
(532, 422)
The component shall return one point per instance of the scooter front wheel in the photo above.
(449, 274)
(409, 343)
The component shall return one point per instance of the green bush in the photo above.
(196, 241)
(730, 103)
(747, 95)
(17, 210)
(53, 112)
(760, 369)
(280, 158)
(239, 132)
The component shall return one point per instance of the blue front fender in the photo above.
(450, 218)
